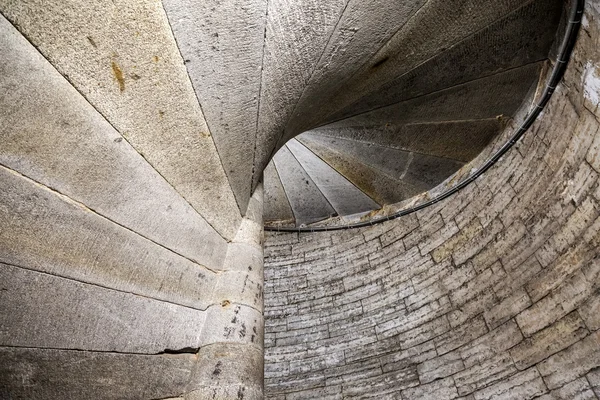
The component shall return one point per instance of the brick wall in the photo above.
(491, 294)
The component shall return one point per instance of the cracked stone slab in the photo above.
(122, 57)
(41, 310)
(49, 374)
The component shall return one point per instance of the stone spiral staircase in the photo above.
(136, 138)
(389, 99)
(411, 115)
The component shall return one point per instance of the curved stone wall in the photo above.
(492, 294)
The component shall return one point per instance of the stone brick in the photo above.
(573, 362)
(461, 335)
(494, 342)
(507, 309)
(548, 341)
(442, 389)
(579, 389)
(440, 367)
(457, 241)
(558, 303)
(593, 378)
(480, 375)
(590, 311)
(524, 385)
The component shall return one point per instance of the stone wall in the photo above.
(493, 293)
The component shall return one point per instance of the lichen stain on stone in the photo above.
(118, 75)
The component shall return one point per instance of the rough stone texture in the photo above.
(89, 161)
(490, 294)
(223, 52)
(295, 37)
(227, 371)
(277, 205)
(97, 318)
(344, 197)
(457, 140)
(70, 374)
(418, 170)
(518, 36)
(121, 56)
(382, 187)
(47, 232)
(498, 94)
(138, 298)
(308, 203)
(408, 48)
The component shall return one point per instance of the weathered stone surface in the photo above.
(507, 309)
(70, 374)
(381, 187)
(590, 312)
(225, 392)
(490, 294)
(419, 170)
(40, 310)
(506, 43)
(296, 34)
(440, 367)
(344, 197)
(400, 55)
(369, 312)
(45, 231)
(51, 134)
(231, 323)
(277, 205)
(593, 378)
(222, 366)
(574, 361)
(122, 57)
(223, 53)
(579, 389)
(308, 203)
(570, 294)
(443, 389)
(551, 340)
(487, 97)
(524, 385)
(457, 140)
